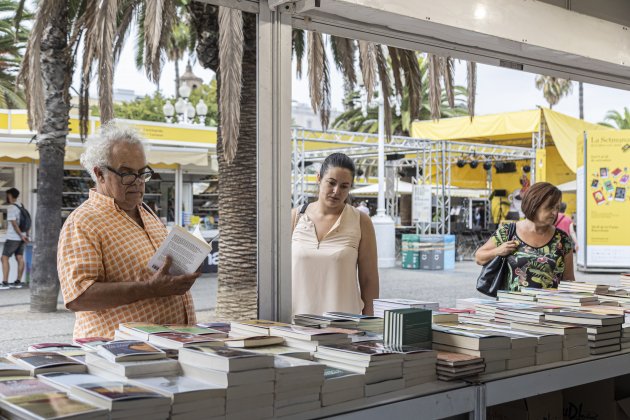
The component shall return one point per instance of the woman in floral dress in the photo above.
(538, 254)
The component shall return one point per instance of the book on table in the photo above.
(409, 326)
(307, 334)
(194, 329)
(477, 340)
(224, 359)
(63, 381)
(550, 328)
(186, 250)
(23, 385)
(255, 326)
(583, 318)
(128, 350)
(8, 368)
(116, 395)
(252, 341)
(457, 359)
(91, 343)
(53, 405)
(103, 367)
(176, 340)
(324, 321)
(363, 351)
(282, 350)
(181, 389)
(57, 347)
(141, 330)
(219, 326)
(228, 379)
(40, 362)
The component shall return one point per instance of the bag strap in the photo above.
(299, 214)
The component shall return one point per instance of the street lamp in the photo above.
(184, 109)
(384, 226)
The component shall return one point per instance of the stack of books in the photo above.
(119, 360)
(572, 345)
(282, 350)
(452, 366)
(253, 327)
(90, 344)
(517, 297)
(565, 299)
(605, 330)
(123, 400)
(469, 303)
(297, 386)
(408, 327)
(44, 361)
(341, 385)
(519, 313)
(324, 321)
(418, 364)
(190, 399)
(248, 378)
(306, 338)
(383, 368)
(438, 317)
(624, 280)
(382, 305)
(493, 347)
(580, 286)
(373, 324)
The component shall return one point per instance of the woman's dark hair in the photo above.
(537, 195)
(337, 160)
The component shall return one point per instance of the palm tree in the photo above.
(47, 70)
(614, 119)
(226, 44)
(553, 88)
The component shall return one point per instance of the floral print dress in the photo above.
(529, 266)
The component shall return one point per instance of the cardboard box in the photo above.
(541, 407)
(594, 401)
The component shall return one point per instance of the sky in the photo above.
(498, 89)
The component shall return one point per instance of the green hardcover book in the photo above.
(411, 326)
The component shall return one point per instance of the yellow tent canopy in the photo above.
(514, 128)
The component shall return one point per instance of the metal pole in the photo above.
(380, 210)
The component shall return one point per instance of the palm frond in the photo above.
(230, 59)
(17, 19)
(435, 89)
(396, 70)
(472, 87)
(413, 81)
(297, 39)
(386, 89)
(31, 73)
(124, 28)
(324, 106)
(344, 50)
(139, 57)
(447, 70)
(315, 68)
(367, 63)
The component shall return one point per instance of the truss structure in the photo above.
(311, 146)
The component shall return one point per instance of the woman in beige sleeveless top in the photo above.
(333, 248)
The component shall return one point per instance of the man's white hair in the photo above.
(98, 151)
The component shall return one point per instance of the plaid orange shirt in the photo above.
(100, 242)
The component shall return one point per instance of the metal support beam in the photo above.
(274, 164)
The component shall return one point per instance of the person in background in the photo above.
(15, 241)
(564, 222)
(106, 243)
(334, 262)
(573, 232)
(362, 207)
(539, 254)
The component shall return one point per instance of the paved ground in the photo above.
(21, 327)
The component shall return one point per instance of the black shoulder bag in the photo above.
(493, 274)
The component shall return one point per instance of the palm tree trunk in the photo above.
(581, 90)
(56, 69)
(237, 292)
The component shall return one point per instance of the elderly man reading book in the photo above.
(107, 242)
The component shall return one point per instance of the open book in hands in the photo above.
(187, 251)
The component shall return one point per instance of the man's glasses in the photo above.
(130, 178)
